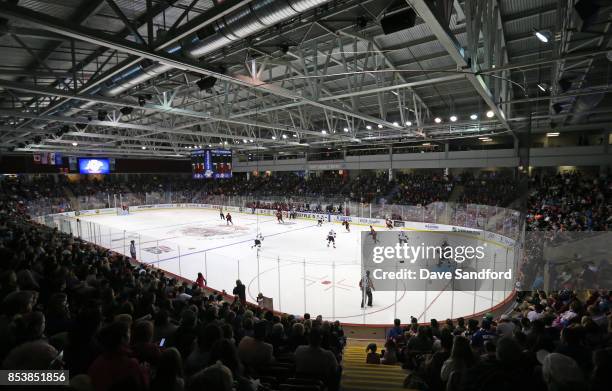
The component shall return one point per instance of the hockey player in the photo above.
(279, 217)
(346, 225)
(221, 214)
(320, 221)
(402, 238)
(331, 238)
(228, 219)
(258, 239)
(389, 223)
(373, 234)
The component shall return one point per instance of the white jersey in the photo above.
(331, 234)
(402, 236)
(259, 237)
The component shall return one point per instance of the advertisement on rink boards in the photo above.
(435, 261)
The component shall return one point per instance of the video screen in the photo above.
(94, 166)
(212, 163)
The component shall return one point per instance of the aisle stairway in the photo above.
(359, 376)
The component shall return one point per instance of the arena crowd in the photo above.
(116, 324)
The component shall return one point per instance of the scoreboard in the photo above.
(211, 163)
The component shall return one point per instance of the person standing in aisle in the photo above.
(240, 291)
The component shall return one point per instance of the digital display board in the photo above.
(94, 166)
(212, 163)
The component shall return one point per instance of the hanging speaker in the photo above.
(398, 21)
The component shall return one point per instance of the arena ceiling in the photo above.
(160, 77)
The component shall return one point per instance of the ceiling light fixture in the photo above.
(474, 116)
(368, 127)
(74, 144)
(490, 114)
(453, 118)
(408, 123)
(552, 134)
(380, 126)
(543, 36)
(345, 130)
(437, 120)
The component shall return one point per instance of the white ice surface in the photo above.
(295, 266)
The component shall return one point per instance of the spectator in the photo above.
(240, 291)
(253, 351)
(169, 374)
(115, 367)
(312, 360)
(372, 357)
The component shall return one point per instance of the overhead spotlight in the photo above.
(206, 83)
(485, 139)
(368, 127)
(426, 144)
(345, 130)
(244, 141)
(324, 131)
(543, 36)
(81, 126)
(490, 114)
(102, 115)
(126, 110)
(557, 107)
(474, 117)
(380, 126)
(251, 140)
(565, 84)
(408, 123)
(542, 87)
(453, 118)
(395, 124)
(552, 134)
(284, 136)
(437, 120)
(273, 137)
(141, 100)
(143, 147)
(74, 144)
(209, 146)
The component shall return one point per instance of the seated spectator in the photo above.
(372, 357)
(561, 373)
(143, 347)
(397, 331)
(505, 327)
(253, 351)
(169, 374)
(460, 360)
(200, 356)
(114, 366)
(390, 354)
(216, 377)
(314, 361)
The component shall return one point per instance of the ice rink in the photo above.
(294, 266)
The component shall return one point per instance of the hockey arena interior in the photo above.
(305, 195)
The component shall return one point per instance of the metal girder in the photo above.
(147, 106)
(456, 52)
(84, 34)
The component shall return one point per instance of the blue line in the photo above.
(228, 245)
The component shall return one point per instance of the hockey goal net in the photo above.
(123, 210)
